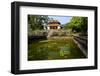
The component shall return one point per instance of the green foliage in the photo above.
(37, 33)
(78, 24)
(37, 21)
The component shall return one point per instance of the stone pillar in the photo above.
(58, 27)
(48, 28)
(44, 27)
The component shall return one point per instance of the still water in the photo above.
(52, 49)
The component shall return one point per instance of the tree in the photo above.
(83, 24)
(78, 24)
(37, 21)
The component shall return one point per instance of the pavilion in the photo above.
(53, 24)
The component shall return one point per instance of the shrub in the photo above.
(55, 33)
(62, 33)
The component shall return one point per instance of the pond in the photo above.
(52, 49)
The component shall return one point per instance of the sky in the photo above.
(62, 19)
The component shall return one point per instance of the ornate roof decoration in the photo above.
(54, 22)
